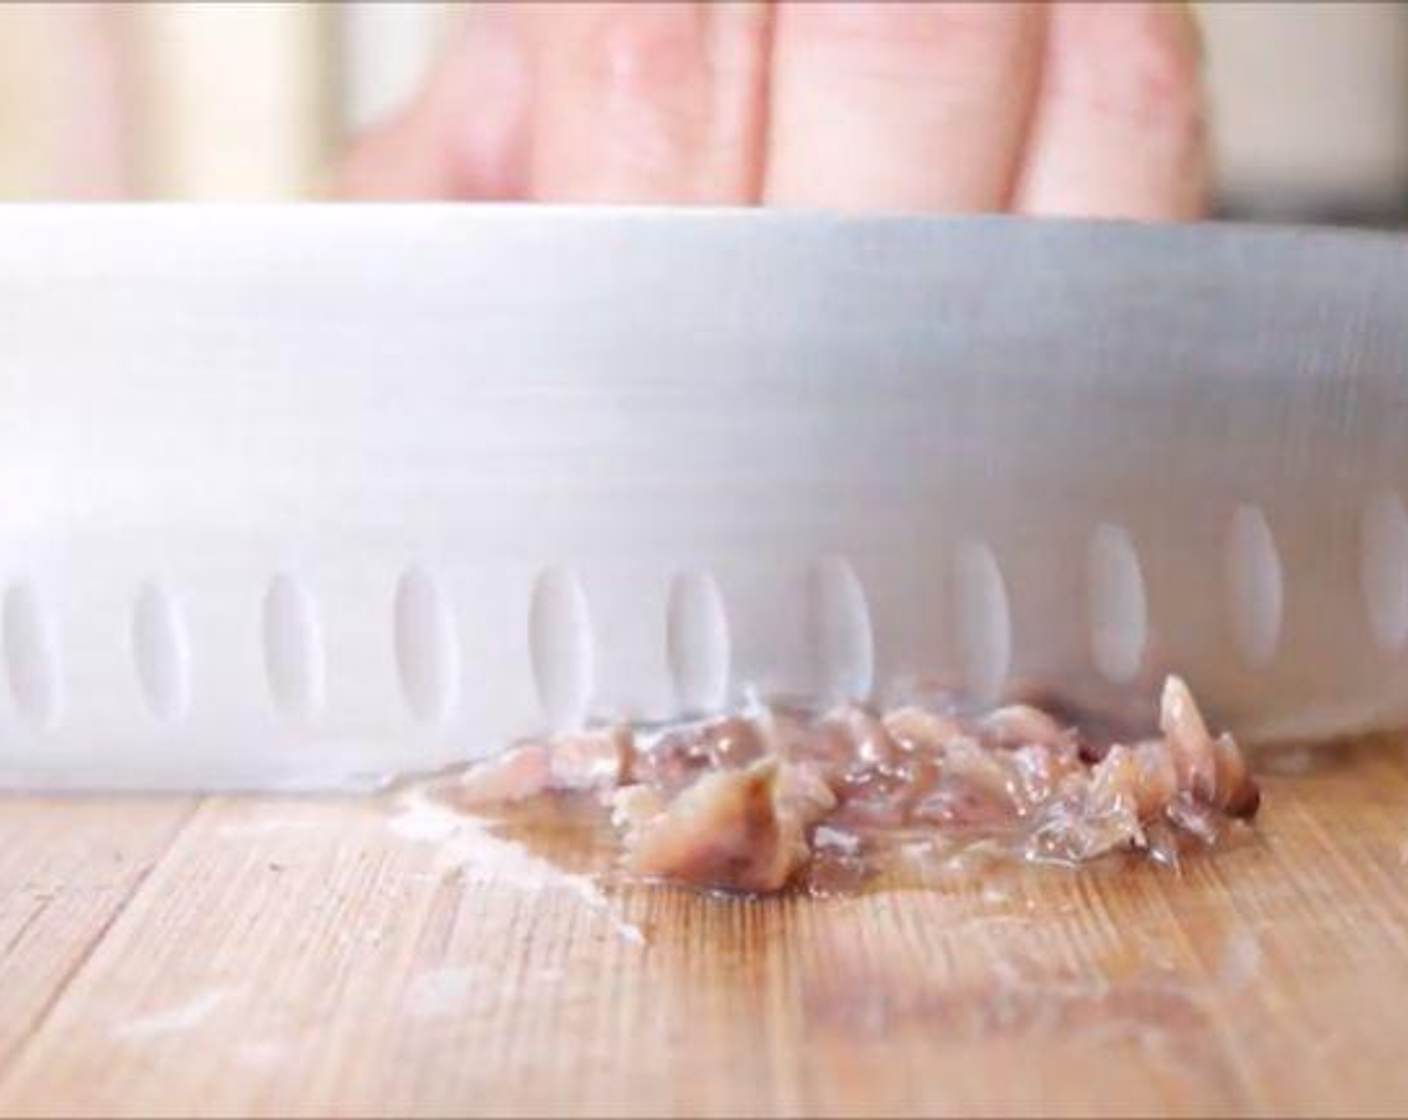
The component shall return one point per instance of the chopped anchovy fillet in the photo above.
(590, 759)
(515, 775)
(754, 801)
(681, 755)
(726, 830)
(633, 806)
(1020, 725)
(917, 729)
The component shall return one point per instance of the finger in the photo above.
(402, 159)
(900, 106)
(466, 135)
(1119, 130)
(649, 102)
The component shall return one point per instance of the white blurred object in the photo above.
(235, 99)
(63, 79)
(1309, 103)
(387, 49)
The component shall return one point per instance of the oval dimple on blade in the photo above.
(982, 620)
(427, 646)
(697, 643)
(1254, 585)
(161, 652)
(294, 660)
(1117, 603)
(560, 641)
(1383, 571)
(842, 639)
(32, 656)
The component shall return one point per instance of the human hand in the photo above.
(1070, 108)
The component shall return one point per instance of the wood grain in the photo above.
(66, 873)
(338, 956)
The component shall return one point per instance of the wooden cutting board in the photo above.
(281, 956)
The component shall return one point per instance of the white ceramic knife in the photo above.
(310, 495)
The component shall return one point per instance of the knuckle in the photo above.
(905, 24)
(932, 44)
(644, 48)
(1162, 74)
(1139, 61)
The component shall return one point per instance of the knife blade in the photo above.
(310, 495)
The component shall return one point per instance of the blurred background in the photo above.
(255, 100)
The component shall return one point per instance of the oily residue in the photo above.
(1015, 998)
(173, 1020)
(470, 846)
(1169, 1014)
(452, 991)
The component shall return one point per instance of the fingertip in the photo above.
(1120, 129)
(1145, 59)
